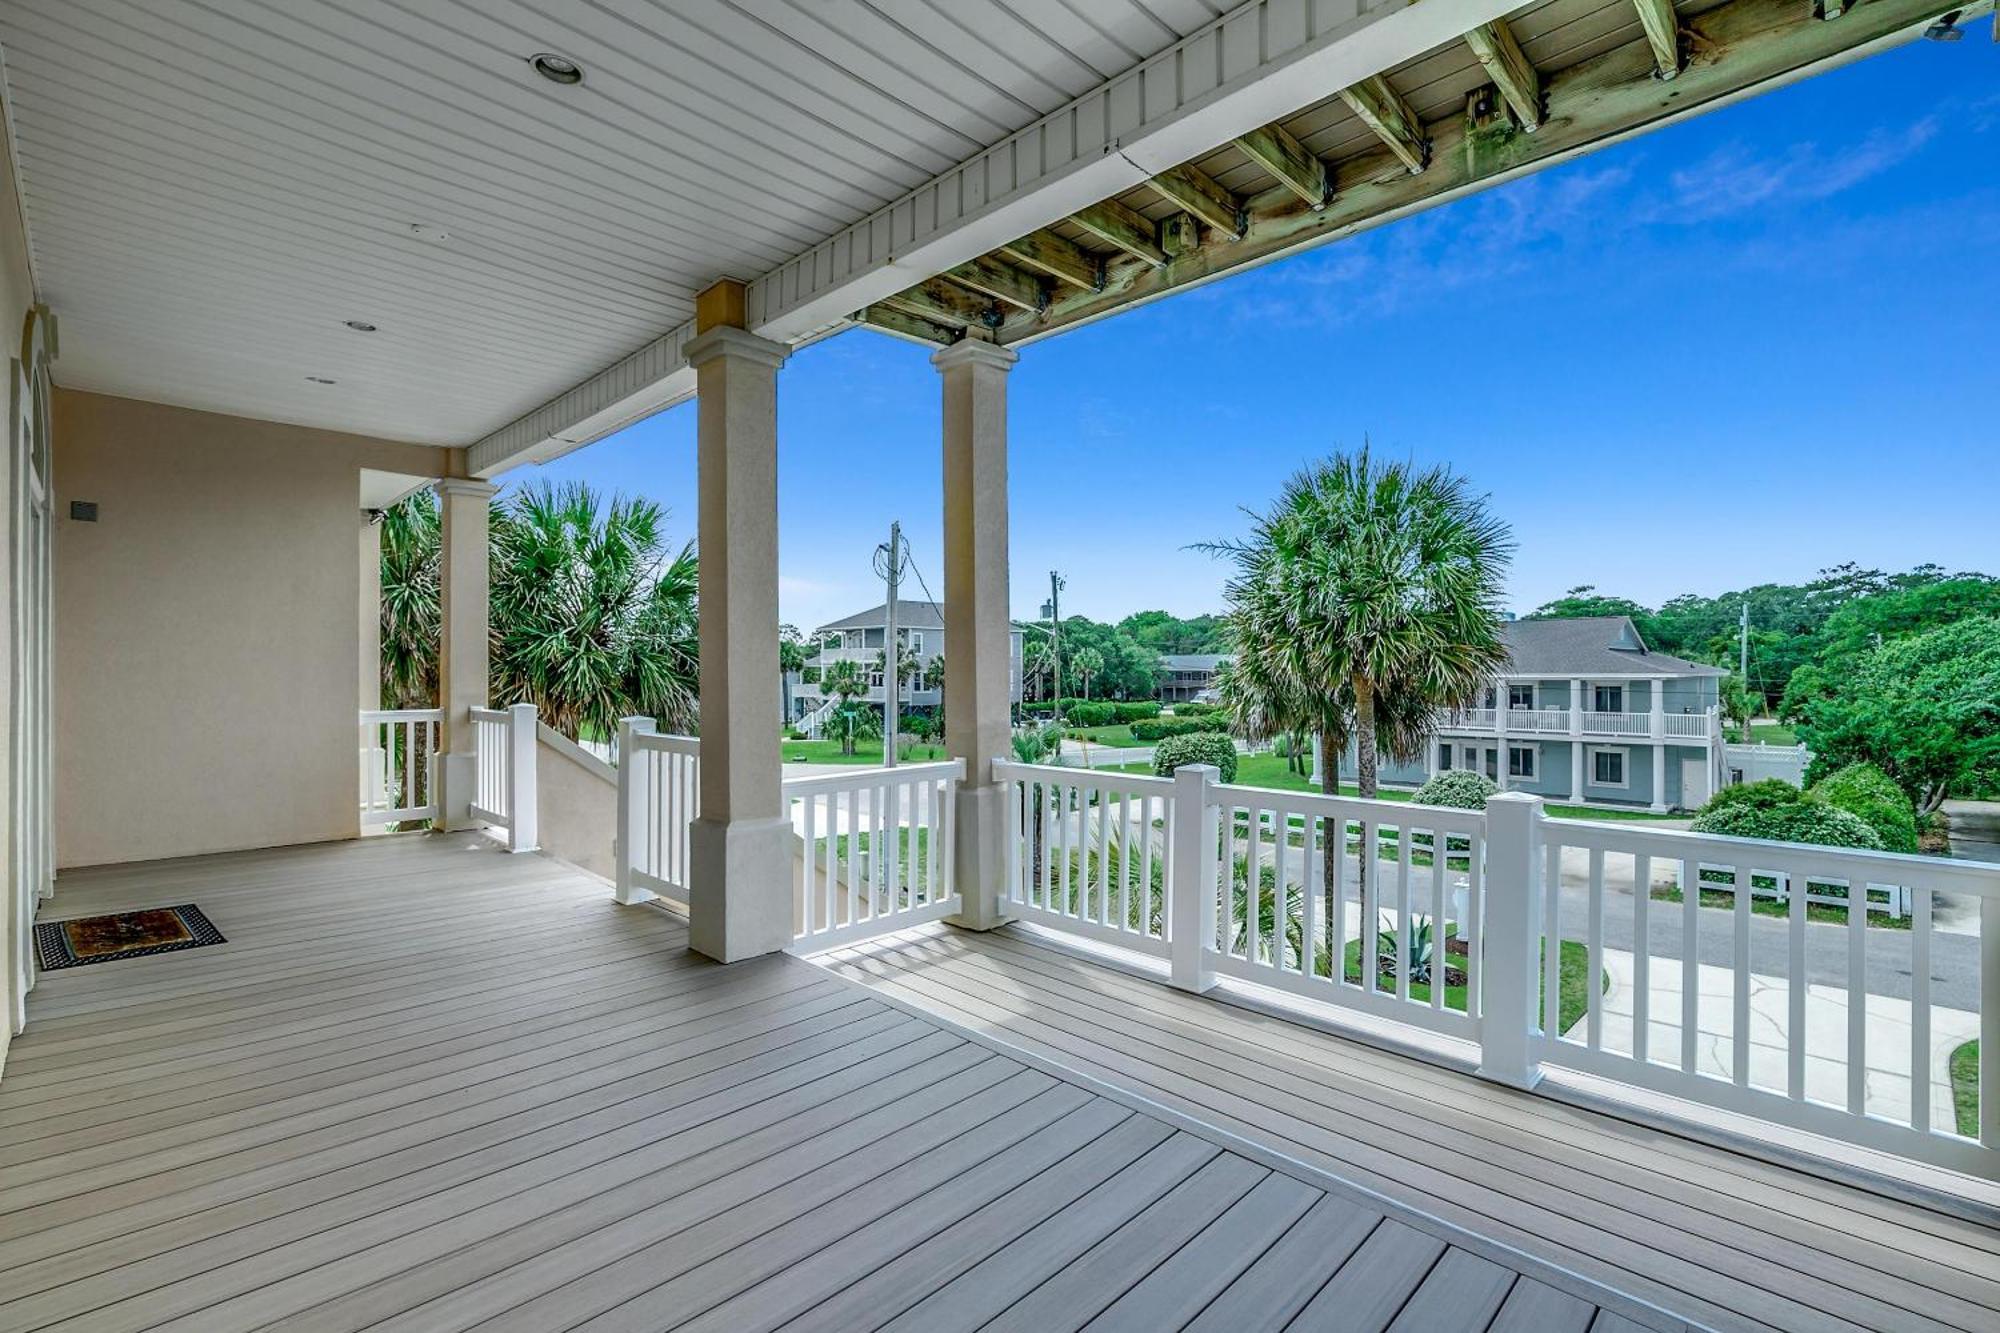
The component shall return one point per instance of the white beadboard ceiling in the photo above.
(212, 189)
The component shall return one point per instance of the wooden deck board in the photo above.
(1718, 1237)
(427, 1085)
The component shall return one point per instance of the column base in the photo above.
(457, 780)
(740, 887)
(979, 863)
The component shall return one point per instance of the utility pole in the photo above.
(1055, 641)
(1743, 646)
(889, 560)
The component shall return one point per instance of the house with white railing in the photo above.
(321, 1014)
(860, 638)
(1587, 714)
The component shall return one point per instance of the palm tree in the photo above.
(1366, 599)
(1037, 663)
(1086, 662)
(411, 621)
(843, 678)
(1036, 745)
(592, 617)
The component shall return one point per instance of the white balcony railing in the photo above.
(873, 848)
(1468, 719)
(399, 749)
(1617, 724)
(1522, 721)
(504, 772)
(1441, 919)
(1695, 726)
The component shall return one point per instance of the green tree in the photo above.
(592, 615)
(1585, 600)
(844, 679)
(1740, 703)
(1924, 709)
(1037, 667)
(411, 622)
(1085, 663)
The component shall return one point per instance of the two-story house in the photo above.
(1189, 677)
(1587, 714)
(860, 637)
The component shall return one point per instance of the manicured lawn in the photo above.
(1773, 733)
(1965, 1087)
(865, 752)
(1117, 734)
(1573, 999)
(1826, 913)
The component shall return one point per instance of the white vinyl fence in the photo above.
(1443, 919)
(873, 847)
(399, 779)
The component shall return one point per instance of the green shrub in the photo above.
(1137, 710)
(1801, 820)
(1873, 797)
(1160, 728)
(1765, 795)
(1196, 747)
(1459, 788)
(1193, 709)
(1082, 714)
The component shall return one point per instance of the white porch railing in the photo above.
(874, 847)
(1690, 726)
(875, 851)
(1468, 719)
(504, 772)
(1538, 720)
(399, 777)
(1617, 724)
(1442, 919)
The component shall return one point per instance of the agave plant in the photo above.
(1421, 936)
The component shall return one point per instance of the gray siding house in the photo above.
(920, 631)
(1188, 677)
(1587, 714)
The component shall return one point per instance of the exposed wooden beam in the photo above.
(905, 325)
(1494, 46)
(1003, 282)
(1275, 150)
(1663, 32)
(1196, 191)
(1735, 48)
(1059, 258)
(1115, 224)
(1383, 110)
(947, 303)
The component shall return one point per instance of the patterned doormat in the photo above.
(105, 939)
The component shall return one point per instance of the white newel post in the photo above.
(1657, 729)
(740, 856)
(1510, 992)
(1989, 1022)
(523, 825)
(1191, 882)
(977, 629)
(462, 646)
(633, 795)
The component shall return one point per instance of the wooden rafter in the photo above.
(1059, 258)
(1383, 110)
(1493, 45)
(1115, 224)
(1663, 32)
(890, 319)
(944, 302)
(1196, 191)
(1276, 151)
(1734, 47)
(1003, 282)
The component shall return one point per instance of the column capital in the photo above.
(975, 352)
(724, 340)
(475, 490)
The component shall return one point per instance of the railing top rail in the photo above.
(1316, 805)
(661, 740)
(488, 714)
(875, 776)
(1979, 877)
(1089, 779)
(402, 715)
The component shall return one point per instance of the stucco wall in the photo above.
(576, 803)
(207, 629)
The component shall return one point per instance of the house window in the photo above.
(1609, 699)
(1520, 761)
(1520, 696)
(916, 644)
(1444, 758)
(1492, 765)
(1607, 768)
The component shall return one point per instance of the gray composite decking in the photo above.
(1717, 1237)
(429, 1086)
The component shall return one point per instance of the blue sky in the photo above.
(1729, 352)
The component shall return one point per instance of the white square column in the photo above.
(977, 626)
(463, 581)
(740, 855)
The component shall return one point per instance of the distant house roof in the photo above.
(1192, 661)
(1589, 645)
(909, 615)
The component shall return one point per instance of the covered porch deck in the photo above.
(429, 1085)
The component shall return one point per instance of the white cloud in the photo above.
(1733, 180)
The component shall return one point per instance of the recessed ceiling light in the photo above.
(360, 326)
(555, 68)
(319, 379)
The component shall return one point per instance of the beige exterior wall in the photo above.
(17, 293)
(576, 803)
(207, 629)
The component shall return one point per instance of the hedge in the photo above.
(1800, 821)
(1199, 747)
(1095, 712)
(1873, 797)
(1160, 728)
(1458, 788)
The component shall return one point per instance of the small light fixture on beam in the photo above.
(556, 69)
(360, 325)
(1946, 29)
